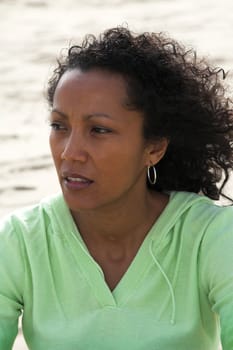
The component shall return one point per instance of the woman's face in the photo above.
(96, 142)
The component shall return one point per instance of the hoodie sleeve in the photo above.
(216, 264)
(11, 283)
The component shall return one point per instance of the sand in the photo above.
(32, 33)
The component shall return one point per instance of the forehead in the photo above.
(92, 90)
(93, 80)
(88, 93)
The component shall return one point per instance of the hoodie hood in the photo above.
(179, 203)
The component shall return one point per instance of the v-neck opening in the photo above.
(94, 274)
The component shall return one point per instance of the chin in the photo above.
(78, 202)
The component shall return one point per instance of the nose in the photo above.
(75, 148)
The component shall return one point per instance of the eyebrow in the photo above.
(86, 117)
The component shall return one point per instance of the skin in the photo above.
(95, 138)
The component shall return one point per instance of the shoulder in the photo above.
(30, 219)
(200, 208)
(218, 236)
(198, 219)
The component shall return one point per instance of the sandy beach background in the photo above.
(32, 34)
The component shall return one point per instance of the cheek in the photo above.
(55, 148)
(121, 164)
(52, 146)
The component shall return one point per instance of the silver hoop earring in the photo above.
(151, 174)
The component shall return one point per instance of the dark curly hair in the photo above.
(182, 99)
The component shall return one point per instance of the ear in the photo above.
(156, 150)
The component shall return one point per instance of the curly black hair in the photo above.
(182, 98)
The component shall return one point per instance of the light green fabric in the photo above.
(169, 299)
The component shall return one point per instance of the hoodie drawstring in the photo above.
(172, 320)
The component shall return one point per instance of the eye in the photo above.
(57, 126)
(100, 130)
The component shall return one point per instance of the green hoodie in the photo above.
(176, 295)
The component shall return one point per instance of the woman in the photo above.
(133, 254)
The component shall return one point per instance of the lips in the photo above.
(74, 176)
(76, 181)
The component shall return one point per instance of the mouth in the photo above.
(76, 179)
(76, 182)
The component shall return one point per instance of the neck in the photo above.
(113, 235)
(124, 223)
